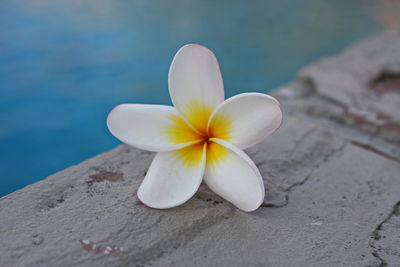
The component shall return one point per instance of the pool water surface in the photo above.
(65, 64)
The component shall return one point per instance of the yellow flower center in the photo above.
(200, 133)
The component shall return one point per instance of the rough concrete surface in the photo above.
(332, 177)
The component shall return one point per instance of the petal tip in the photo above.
(147, 205)
(108, 120)
(252, 208)
(115, 107)
(250, 211)
(159, 205)
(141, 201)
(144, 204)
(195, 45)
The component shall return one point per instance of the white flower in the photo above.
(201, 136)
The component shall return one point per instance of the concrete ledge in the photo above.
(332, 175)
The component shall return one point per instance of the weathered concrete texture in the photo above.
(332, 176)
(356, 92)
(386, 238)
(302, 146)
(328, 221)
(69, 218)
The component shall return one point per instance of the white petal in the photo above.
(234, 176)
(246, 119)
(171, 180)
(150, 127)
(195, 83)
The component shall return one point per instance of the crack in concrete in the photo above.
(313, 167)
(300, 140)
(374, 150)
(369, 131)
(376, 236)
(373, 133)
(309, 82)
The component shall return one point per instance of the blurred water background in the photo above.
(64, 64)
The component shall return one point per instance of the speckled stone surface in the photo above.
(332, 177)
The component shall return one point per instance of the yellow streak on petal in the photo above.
(192, 155)
(220, 127)
(216, 153)
(178, 132)
(198, 115)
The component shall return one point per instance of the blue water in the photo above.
(64, 64)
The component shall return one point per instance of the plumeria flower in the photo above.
(201, 136)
